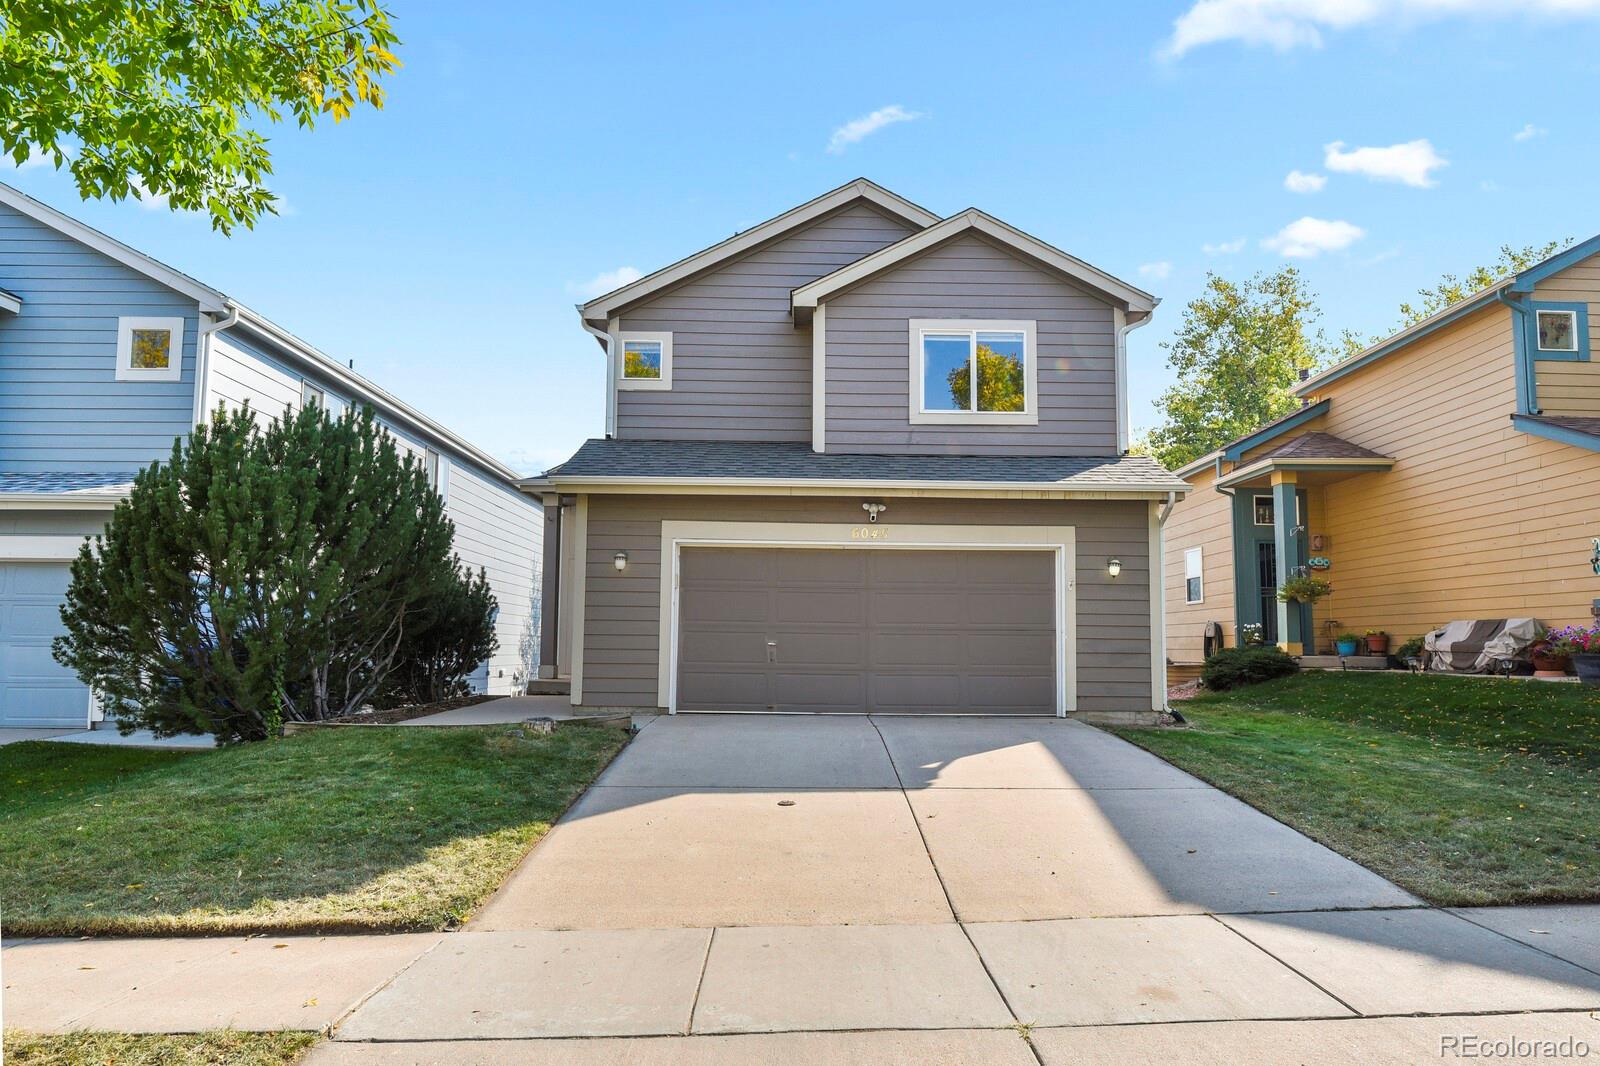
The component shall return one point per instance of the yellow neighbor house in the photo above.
(1449, 472)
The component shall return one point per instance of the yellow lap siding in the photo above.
(1202, 519)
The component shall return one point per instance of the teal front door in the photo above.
(1255, 563)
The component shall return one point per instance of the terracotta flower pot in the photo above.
(1378, 645)
(1547, 665)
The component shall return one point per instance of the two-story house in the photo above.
(862, 458)
(106, 357)
(1449, 472)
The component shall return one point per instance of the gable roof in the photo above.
(598, 310)
(209, 299)
(1133, 299)
(1316, 445)
(213, 301)
(1234, 450)
(1520, 283)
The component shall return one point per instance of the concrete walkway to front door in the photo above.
(741, 888)
(882, 890)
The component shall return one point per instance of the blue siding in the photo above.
(61, 407)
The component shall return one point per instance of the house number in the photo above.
(869, 533)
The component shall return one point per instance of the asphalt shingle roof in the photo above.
(65, 484)
(1318, 446)
(718, 460)
(1590, 426)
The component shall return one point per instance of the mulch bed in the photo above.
(419, 710)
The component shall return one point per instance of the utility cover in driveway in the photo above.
(856, 630)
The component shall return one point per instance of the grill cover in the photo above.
(1481, 645)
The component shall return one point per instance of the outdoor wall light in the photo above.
(1114, 567)
(620, 560)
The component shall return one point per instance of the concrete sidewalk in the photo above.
(881, 891)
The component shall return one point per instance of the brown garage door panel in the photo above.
(856, 630)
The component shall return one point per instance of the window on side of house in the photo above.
(311, 396)
(973, 371)
(149, 349)
(1194, 587)
(1558, 331)
(1264, 510)
(644, 361)
(430, 463)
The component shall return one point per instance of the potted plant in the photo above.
(1303, 588)
(1377, 642)
(1549, 661)
(1252, 633)
(1410, 652)
(1347, 643)
(1581, 644)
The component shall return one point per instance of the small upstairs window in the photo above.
(973, 371)
(149, 349)
(311, 396)
(1558, 331)
(645, 361)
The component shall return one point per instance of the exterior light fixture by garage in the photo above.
(874, 510)
(620, 560)
(1114, 567)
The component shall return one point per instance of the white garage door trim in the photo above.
(1061, 540)
(57, 548)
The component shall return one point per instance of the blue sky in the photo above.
(528, 149)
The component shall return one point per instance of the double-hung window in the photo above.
(970, 370)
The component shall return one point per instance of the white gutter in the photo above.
(202, 362)
(580, 483)
(1124, 328)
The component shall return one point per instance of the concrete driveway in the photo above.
(952, 890)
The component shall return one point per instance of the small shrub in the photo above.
(1233, 667)
(1411, 649)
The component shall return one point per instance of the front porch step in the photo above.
(1344, 662)
(549, 687)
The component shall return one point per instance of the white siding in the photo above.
(501, 531)
(238, 376)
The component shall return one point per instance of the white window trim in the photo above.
(1199, 572)
(1269, 498)
(1570, 316)
(313, 395)
(1028, 416)
(630, 384)
(125, 368)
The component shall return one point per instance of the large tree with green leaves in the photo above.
(267, 575)
(1237, 357)
(163, 97)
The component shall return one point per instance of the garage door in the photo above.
(887, 631)
(35, 690)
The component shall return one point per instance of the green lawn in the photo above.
(222, 1048)
(1463, 790)
(363, 828)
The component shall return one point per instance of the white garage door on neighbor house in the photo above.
(35, 690)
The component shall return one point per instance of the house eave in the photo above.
(1538, 427)
(1267, 466)
(59, 501)
(835, 486)
(10, 302)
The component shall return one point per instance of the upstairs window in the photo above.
(646, 361)
(973, 371)
(311, 396)
(149, 349)
(1558, 331)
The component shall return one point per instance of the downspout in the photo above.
(202, 361)
(1527, 384)
(1122, 380)
(611, 382)
(1161, 524)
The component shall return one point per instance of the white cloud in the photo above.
(1529, 132)
(1224, 247)
(37, 157)
(1287, 24)
(1411, 163)
(604, 282)
(1308, 237)
(1300, 181)
(1157, 270)
(859, 128)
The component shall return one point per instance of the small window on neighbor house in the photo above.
(646, 361)
(1264, 510)
(149, 349)
(1558, 331)
(311, 396)
(1194, 588)
(430, 463)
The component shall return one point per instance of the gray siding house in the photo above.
(107, 356)
(861, 458)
